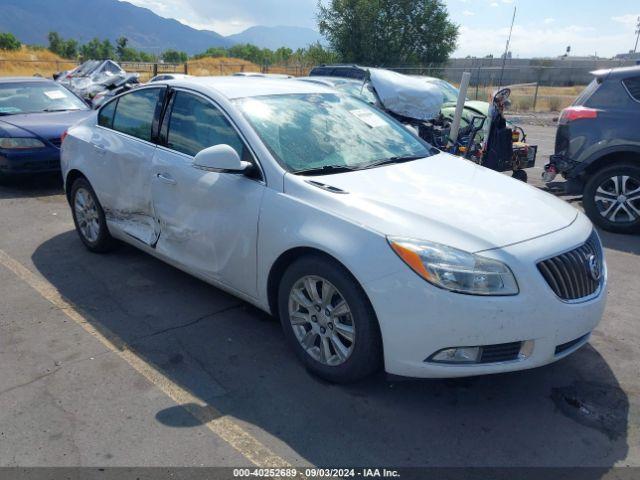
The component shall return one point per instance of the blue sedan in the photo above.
(34, 113)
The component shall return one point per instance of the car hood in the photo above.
(444, 199)
(43, 125)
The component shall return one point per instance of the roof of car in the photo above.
(25, 79)
(620, 72)
(240, 87)
(331, 81)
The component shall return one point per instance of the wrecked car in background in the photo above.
(427, 106)
(91, 72)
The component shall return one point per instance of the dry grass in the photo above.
(220, 66)
(29, 62)
(550, 99)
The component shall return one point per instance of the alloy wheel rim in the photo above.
(618, 199)
(87, 215)
(322, 320)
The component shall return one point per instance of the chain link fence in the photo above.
(534, 88)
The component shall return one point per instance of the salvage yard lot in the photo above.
(122, 360)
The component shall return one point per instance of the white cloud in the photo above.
(549, 21)
(535, 41)
(630, 19)
(468, 13)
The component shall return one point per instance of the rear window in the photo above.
(587, 92)
(633, 87)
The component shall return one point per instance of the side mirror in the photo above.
(220, 158)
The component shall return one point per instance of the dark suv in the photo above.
(598, 149)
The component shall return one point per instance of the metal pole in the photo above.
(535, 95)
(506, 50)
(635, 49)
(455, 126)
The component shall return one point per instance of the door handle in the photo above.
(166, 178)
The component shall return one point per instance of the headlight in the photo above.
(454, 269)
(20, 143)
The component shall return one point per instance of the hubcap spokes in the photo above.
(618, 199)
(321, 320)
(87, 215)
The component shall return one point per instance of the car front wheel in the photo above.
(612, 198)
(329, 321)
(89, 219)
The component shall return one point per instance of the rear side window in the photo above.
(633, 87)
(105, 116)
(135, 112)
(196, 124)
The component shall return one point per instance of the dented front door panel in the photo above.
(207, 221)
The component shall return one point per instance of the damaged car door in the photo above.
(123, 152)
(207, 221)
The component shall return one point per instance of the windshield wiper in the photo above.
(399, 159)
(326, 170)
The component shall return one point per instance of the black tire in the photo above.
(104, 241)
(593, 207)
(366, 356)
(520, 175)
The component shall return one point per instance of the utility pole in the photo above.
(635, 49)
(506, 50)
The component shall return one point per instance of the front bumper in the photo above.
(417, 319)
(41, 160)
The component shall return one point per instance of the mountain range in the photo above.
(31, 21)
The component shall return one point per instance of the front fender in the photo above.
(288, 222)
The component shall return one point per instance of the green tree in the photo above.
(106, 50)
(388, 32)
(174, 56)
(121, 47)
(9, 42)
(55, 43)
(69, 49)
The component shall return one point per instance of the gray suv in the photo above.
(598, 149)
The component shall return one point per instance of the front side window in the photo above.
(313, 131)
(196, 124)
(37, 97)
(135, 112)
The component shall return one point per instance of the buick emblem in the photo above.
(594, 267)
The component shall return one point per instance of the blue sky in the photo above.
(543, 27)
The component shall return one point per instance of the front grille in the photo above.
(570, 275)
(566, 346)
(503, 352)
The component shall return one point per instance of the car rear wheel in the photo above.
(89, 219)
(612, 198)
(329, 321)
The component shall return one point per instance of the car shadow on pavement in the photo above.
(32, 186)
(233, 357)
(622, 243)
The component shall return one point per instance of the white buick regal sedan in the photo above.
(374, 249)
